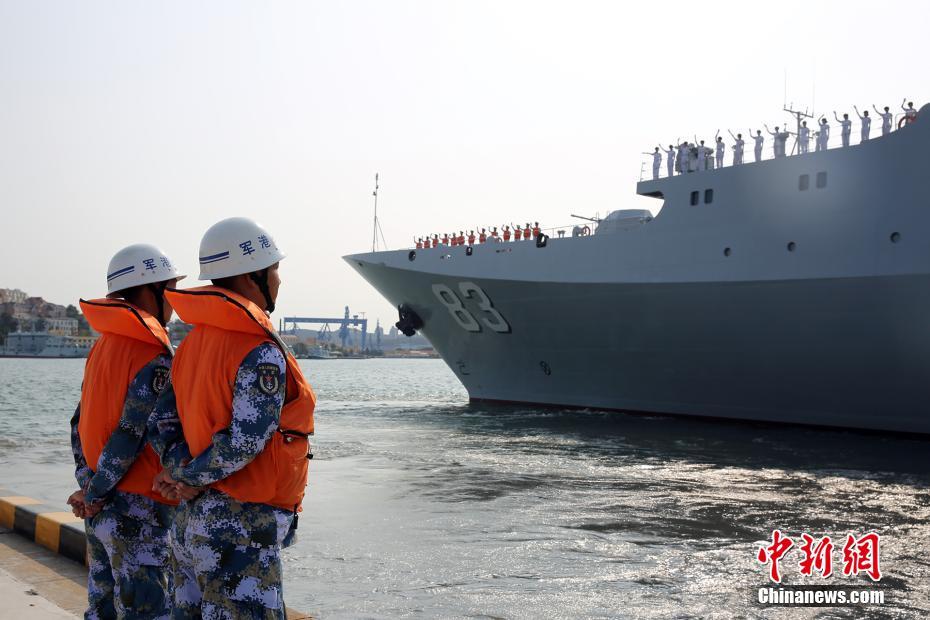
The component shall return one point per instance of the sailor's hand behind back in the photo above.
(76, 501)
(172, 489)
(164, 484)
(83, 509)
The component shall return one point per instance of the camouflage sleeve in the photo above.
(82, 472)
(256, 411)
(165, 434)
(127, 441)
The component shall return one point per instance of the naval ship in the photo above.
(792, 290)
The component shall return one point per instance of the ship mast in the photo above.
(376, 228)
(798, 116)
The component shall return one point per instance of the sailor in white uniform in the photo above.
(721, 149)
(804, 136)
(823, 136)
(866, 121)
(737, 148)
(656, 163)
(670, 162)
(778, 144)
(886, 119)
(759, 140)
(846, 127)
(701, 154)
(909, 112)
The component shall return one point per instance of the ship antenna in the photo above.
(798, 115)
(376, 229)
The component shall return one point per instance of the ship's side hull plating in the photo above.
(848, 352)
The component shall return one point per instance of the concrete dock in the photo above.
(38, 583)
(42, 554)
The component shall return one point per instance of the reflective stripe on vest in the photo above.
(227, 327)
(130, 339)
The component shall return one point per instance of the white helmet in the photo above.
(235, 246)
(139, 264)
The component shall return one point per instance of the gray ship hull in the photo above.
(845, 352)
(795, 290)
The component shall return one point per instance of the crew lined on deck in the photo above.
(695, 156)
(508, 234)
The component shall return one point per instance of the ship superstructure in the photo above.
(791, 290)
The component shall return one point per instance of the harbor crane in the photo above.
(344, 323)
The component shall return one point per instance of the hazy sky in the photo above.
(126, 122)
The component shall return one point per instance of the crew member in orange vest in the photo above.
(471, 237)
(435, 241)
(536, 230)
(419, 243)
(494, 234)
(526, 231)
(235, 422)
(445, 239)
(461, 237)
(517, 233)
(483, 237)
(126, 522)
(506, 233)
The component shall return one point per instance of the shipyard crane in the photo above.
(344, 323)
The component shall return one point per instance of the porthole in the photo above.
(791, 246)
(708, 196)
(727, 251)
(804, 182)
(695, 197)
(895, 237)
(821, 180)
(412, 256)
(469, 250)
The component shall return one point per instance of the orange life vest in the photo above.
(482, 238)
(526, 232)
(435, 242)
(130, 338)
(535, 231)
(471, 239)
(419, 245)
(227, 327)
(506, 234)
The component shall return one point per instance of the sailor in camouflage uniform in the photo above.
(126, 522)
(234, 422)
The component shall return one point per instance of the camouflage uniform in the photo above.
(127, 541)
(226, 552)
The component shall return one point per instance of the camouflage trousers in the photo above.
(227, 559)
(128, 563)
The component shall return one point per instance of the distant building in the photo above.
(44, 344)
(12, 296)
(62, 327)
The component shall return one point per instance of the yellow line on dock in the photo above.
(8, 506)
(48, 528)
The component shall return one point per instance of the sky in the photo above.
(130, 122)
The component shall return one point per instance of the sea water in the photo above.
(421, 505)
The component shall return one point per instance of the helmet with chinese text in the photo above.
(236, 246)
(139, 264)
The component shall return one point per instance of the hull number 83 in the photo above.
(487, 314)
